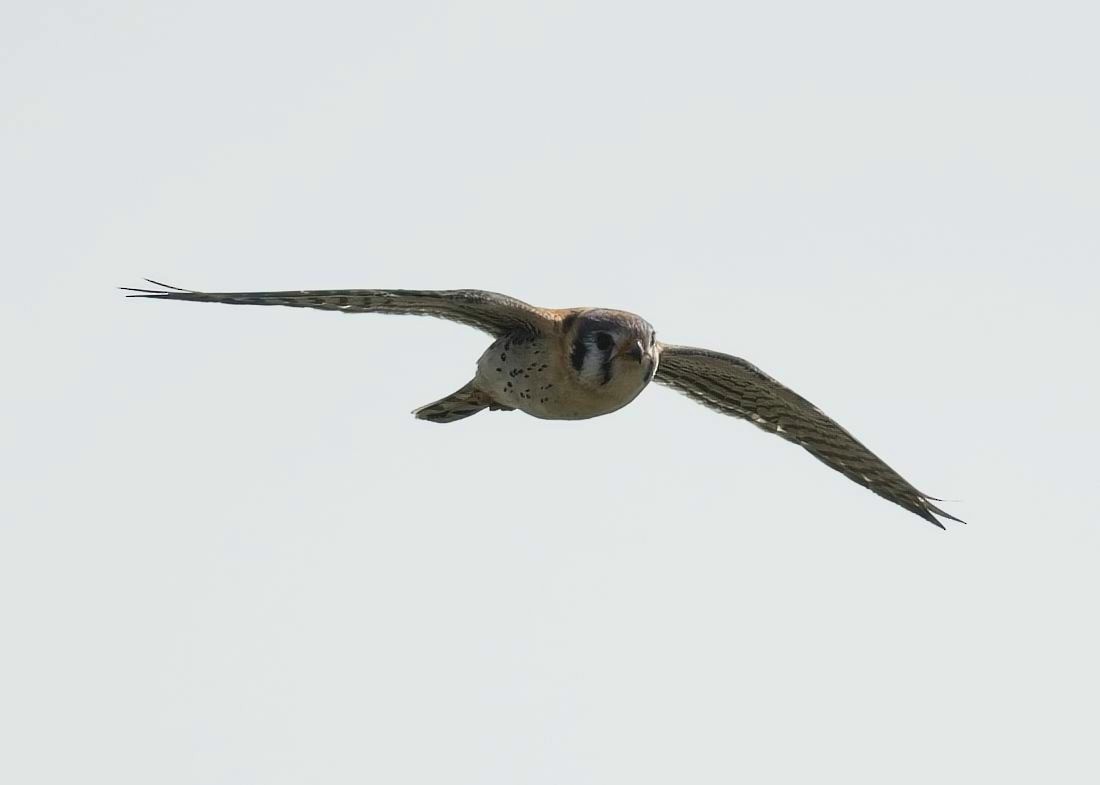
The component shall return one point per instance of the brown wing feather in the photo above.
(496, 314)
(738, 388)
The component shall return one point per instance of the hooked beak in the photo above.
(633, 350)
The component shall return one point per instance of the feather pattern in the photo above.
(735, 387)
(496, 314)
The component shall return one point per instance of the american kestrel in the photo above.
(576, 363)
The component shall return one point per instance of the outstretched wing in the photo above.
(496, 314)
(738, 388)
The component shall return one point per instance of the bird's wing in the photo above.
(732, 386)
(496, 314)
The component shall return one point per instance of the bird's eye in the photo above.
(603, 341)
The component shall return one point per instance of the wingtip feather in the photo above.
(943, 513)
(925, 513)
(167, 286)
(166, 290)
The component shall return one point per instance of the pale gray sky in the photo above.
(228, 554)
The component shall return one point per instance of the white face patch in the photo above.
(609, 348)
(599, 347)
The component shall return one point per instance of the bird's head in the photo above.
(611, 350)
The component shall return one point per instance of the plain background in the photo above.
(229, 555)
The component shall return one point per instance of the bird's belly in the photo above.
(525, 375)
(564, 407)
(559, 402)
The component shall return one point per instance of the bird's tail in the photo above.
(456, 406)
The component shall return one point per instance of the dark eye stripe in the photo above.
(577, 355)
(606, 369)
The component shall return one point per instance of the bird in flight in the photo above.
(576, 363)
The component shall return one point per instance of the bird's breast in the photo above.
(532, 375)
